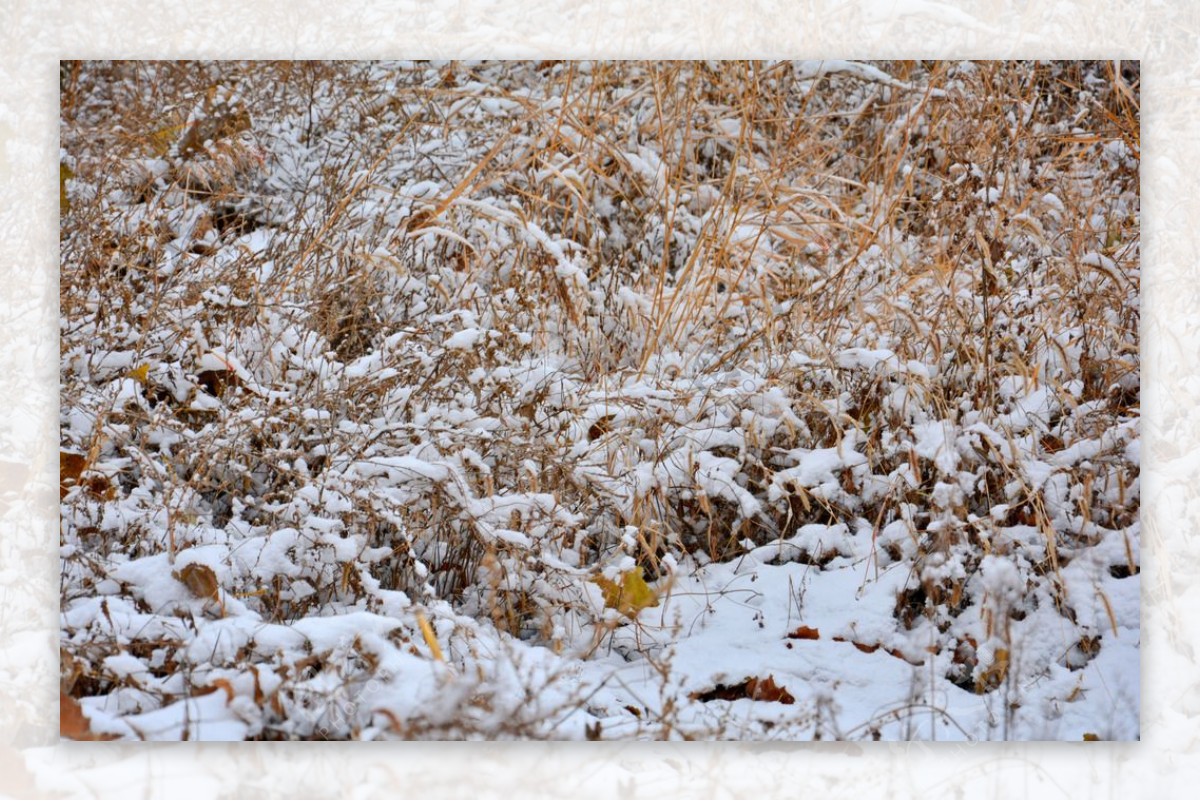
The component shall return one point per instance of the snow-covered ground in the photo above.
(791, 400)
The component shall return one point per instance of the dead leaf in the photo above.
(140, 374)
(161, 139)
(1052, 444)
(866, 649)
(70, 467)
(225, 685)
(601, 427)
(200, 580)
(752, 688)
(848, 482)
(215, 382)
(898, 654)
(422, 219)
(69, 671)
(64, 174)
(73, 724)
(994, 676)
(805, 633)
(767, 690)
(631, 596)
(100, 487)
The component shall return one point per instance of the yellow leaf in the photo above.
(162, 139)
(629, 597)
(994, 676)
(64, 175)
(140, 374)
(612, 593)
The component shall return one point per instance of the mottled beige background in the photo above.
(1162, 34)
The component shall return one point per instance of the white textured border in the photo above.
(1166, 762)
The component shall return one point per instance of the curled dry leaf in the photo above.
(200, 580)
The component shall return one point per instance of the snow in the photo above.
(819, 467)
(933, 444)
(463, 340)
(210, 717)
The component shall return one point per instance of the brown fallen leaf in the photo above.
(217, 684)
(898, 654)
(200, 580)
(861, 646)
(767, 690)
(73, 724)
(215, 382)
(601, 427)
(421, 219)
(752, 688)
(70, 467)
(805, 633)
